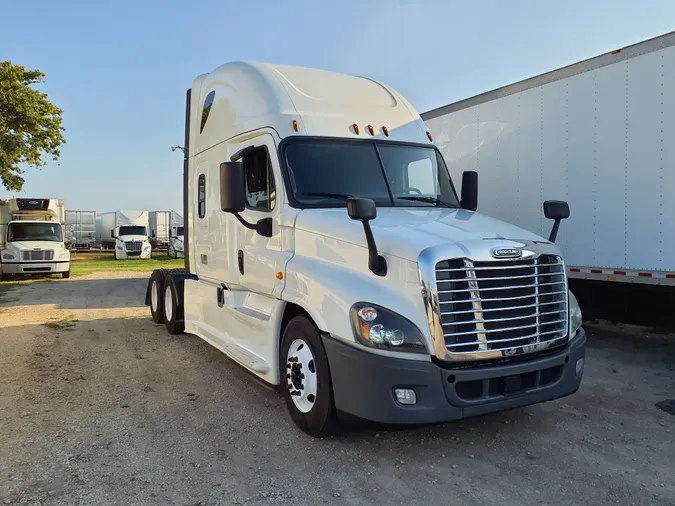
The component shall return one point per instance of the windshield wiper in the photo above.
(420, 198)
(341, 196)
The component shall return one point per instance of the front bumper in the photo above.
(364, 383)
(35, 267)
(130, 255)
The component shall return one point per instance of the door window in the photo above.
(260, 188)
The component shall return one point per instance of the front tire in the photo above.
(173, 311)
(65, 275)
(305, 378)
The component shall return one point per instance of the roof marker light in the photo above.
(429, 137)
(371, 130)
(356, 128)
(295, 125)
(385, 130)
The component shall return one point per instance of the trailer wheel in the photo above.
(155, 294)
(305, 378)
(173, 305)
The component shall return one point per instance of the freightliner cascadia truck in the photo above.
(328, 252)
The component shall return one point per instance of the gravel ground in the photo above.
(100, 406)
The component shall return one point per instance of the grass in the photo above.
(65, 324)
(82, 264)
(88, 263)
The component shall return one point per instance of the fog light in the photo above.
(406, 396)
(580, 366)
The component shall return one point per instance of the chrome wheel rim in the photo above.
(154, 295)
(168, 303)
(301, 375)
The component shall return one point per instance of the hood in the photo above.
(34, 245)
(406, 232)
(126, 238)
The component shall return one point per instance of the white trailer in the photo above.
(159, 229)
(31, 237)
(176, 235)
(80, 229)
(598, 134)
(126, 232)
(328, 253)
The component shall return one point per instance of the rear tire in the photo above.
(65, 275)
(305, 378)
(156, 291)
(173, 305)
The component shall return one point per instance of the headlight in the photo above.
(576, 318)
(377, 327)
(119, 247)
(64, 254)
(7, 256)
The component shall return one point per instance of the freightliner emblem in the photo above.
(507, 253)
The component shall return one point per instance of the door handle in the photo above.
(240, 260)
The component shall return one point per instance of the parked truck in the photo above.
(80, 230)
(328, 253)
(176, 235)
(162, 229)
(126, 232)
(31, 237)
(598, 134)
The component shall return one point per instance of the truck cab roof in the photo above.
(242, 96)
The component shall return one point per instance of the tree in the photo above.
(30, 125)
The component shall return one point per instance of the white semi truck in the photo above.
(31, 237)
(176, 235)
(166, 231)
(327, 252)
(126, 232)
(598, 134)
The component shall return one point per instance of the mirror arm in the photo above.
(250, 226)
(554, 231)
(376, 262)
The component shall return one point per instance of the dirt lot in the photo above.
(100, 406)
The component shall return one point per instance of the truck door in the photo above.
(257, 255)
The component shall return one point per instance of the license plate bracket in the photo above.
(511, 384)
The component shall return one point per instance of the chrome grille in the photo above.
(133, 245)
(502, 305)
(37, 255)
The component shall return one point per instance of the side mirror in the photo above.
(233, 197)
(364, 210)
(556, 210)
(361, 209)
(112, 234)
(469, 190)
(232, 187)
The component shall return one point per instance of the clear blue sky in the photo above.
(119, 69)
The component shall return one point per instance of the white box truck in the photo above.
(31, 237)
(176, 235)
(126, 232)
(327, 252)
(80, 229)
(598, 134)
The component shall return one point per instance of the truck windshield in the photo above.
(34, 232)
(127, 230)
(179, 231)
(325, 173)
